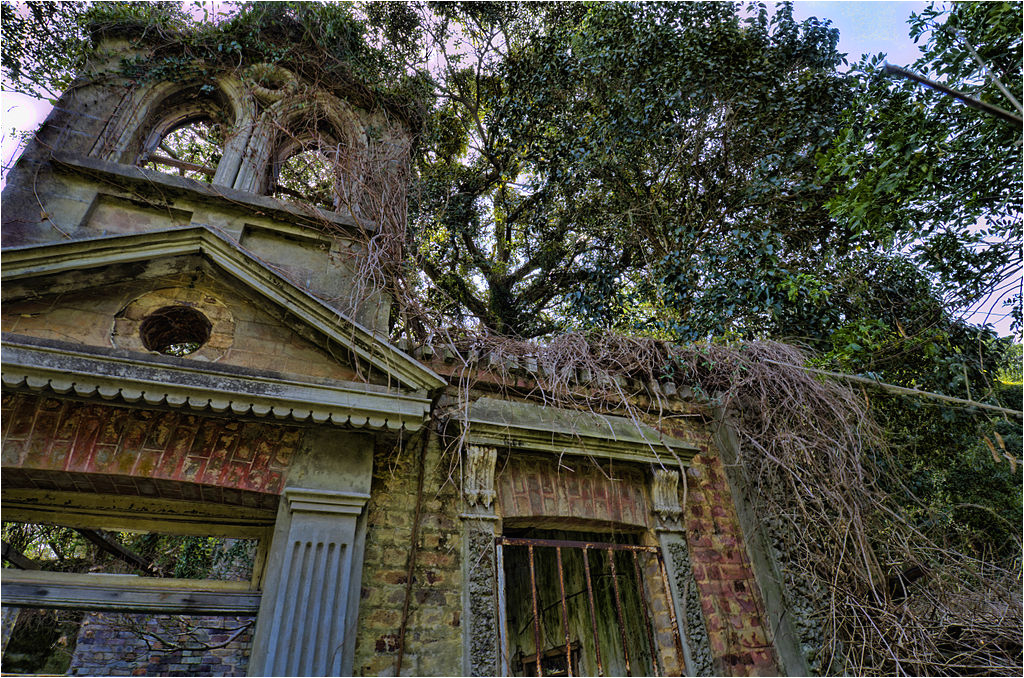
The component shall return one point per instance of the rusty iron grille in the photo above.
(619, 629)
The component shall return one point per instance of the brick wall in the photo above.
(51, 434)
(130, 645)
(729, 593)
(84, 440)
(434, 633)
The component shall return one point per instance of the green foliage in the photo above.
(46, 44)
(199, 143)
(1011, 374)
(625, 169)
(918, 170)
(887, 323)
(63, 549)
(42, 642)
(43, 46)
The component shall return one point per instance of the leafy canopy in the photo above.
(921, 172)
(632, 166)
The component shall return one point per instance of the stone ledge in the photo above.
(259, 205)
(526, 426)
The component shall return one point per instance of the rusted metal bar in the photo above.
(647, 613)
(521, 541)
(536, 612)
(671, 611)
(593, 613)
(506, 668)
(618, 610)
(565, 611)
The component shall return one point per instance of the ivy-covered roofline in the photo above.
(323, 43)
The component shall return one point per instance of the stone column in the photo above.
(480, 567)
(306, 622)
(678, 567)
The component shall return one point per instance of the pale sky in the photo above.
(868, 27)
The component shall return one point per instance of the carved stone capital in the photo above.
(665, 494)
(478, 475)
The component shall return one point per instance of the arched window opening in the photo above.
(191, 149)
(312, 173)
(309, 176)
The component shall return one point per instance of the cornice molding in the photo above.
(200, 386)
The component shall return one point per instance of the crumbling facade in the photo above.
(202, 357)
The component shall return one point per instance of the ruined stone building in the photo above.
(189, 350)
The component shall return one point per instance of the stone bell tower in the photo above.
(194, 340)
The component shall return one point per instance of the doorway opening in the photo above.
(577, 604)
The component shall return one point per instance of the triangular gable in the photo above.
(366, 347)
(108, 308)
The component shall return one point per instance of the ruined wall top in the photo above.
(158, 132)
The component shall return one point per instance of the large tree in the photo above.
(636, 166)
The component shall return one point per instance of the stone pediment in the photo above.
(97, 310)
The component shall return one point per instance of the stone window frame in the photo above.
(295, 123)
(127, 323)
(294, 146)
(151, 147)
(184, 106)
(162, 107)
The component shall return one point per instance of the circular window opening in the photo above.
(175, 330)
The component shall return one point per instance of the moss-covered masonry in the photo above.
(434, 635)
